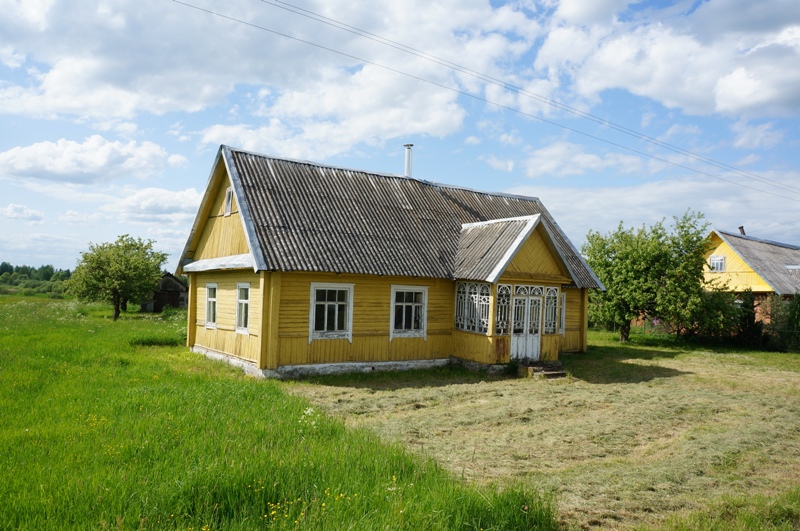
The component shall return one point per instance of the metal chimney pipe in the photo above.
(741, 231)
(408, 159)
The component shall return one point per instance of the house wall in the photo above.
(738, 275)
(222, 235)
(224, 338)
(536, 259)
(371, 321)
(577, 322)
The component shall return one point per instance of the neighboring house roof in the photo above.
(777, 263)
(303, 216)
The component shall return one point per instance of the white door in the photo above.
(526, 329)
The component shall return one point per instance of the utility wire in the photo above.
(524, 92)
(476, 97)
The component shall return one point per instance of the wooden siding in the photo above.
(536, 259)
(221, 235)
(738, 275)
(576, 321)
(224, 337)
(371, 320)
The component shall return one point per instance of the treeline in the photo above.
(29, 280)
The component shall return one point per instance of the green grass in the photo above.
(116, 425)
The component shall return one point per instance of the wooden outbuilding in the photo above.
(300, 267)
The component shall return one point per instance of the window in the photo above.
(472, 307)
(409, 306)
(716, 264)
(243, 308)
(228, 201)
(211, 305)
(503, 312)
(550, 310)
(331, 311)
(563, 313)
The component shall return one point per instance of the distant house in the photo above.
(746, 263)
(300, 267)
(171, 291)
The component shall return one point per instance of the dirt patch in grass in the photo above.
(632, 436)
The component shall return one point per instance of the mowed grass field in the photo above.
(644, 435)
(116, 425)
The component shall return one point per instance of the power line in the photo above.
(479, 98)
(519, 90)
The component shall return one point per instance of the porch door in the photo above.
(526, 330)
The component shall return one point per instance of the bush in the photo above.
(782, 318)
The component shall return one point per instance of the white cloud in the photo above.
(472, 140)
(565, 158)
(155, 205)
(499, 164)
(589, 11)
(729, 56)
(755, 136)
(21, 212)
(725, 207)
(95, 159)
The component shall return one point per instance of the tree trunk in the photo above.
(115, 300)
(625, 331)
(124, 305)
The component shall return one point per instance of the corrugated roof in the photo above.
(484, 247)
(772, 261)
(304, 216)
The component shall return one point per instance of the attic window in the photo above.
(228, 201)
(716, 264)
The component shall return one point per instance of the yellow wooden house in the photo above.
(743, 262)
(297, 267)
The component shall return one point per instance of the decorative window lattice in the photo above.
(503, 313)
(551, 311)
(472, 307)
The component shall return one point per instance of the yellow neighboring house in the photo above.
(744, 262)
(297, 267)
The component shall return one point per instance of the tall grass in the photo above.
(115, 425)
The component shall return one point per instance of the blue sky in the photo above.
(111, 112)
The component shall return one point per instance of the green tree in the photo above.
(628, 262)
(126, 270)
(649, 272)
(5, 267)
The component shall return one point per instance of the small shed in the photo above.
(171, 291)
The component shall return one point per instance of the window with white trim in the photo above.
(716, 264)
(243, 307)
(211, 305)
(472, 306)
(562, 311)
(550, 310)
(331, 311)
(409, 308)
(228, 201)
(502, 317)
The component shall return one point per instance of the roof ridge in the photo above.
(383, 174)
(760, 240)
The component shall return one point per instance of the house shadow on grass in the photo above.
(410, 379)
(620, 364)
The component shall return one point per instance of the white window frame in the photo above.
(473, 300)
(502, 313)
(209, 300)
(322, 334)
(423, 332)
(714, 262)
(228, 201)
(562, 322)
(240, 304)
(551, 299)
